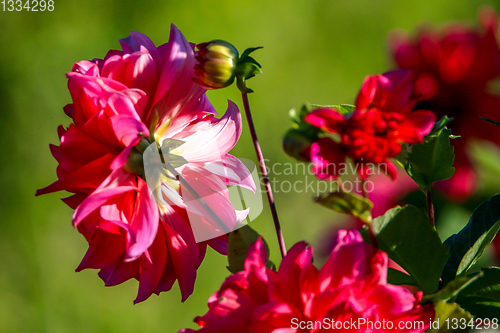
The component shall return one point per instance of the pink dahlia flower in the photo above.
(373, 133)
(133, 102)
(351, 287)
(454, 72)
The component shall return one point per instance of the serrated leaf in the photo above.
(491, 121)
(451, 289)
(482, 297)
(406, 235)
(397, 277)
(440, 125)
(467, 246)
(347, 203)
(238, 244)
(449, 311)
(431, 160)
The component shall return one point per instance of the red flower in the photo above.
(454, 70)
(373, 133)
(134, 100)
(351, 287)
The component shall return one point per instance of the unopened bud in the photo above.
(216, 66)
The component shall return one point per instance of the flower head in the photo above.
(352, 285)
(373, 133)
(216, 66)
(454, 70)
(143, 150)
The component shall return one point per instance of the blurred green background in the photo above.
(314, 50)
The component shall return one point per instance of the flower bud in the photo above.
(216, 66)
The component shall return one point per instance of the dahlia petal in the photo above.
(129, 131)
(292, 271)
(178, 220)
(400, 89)
(86, 67)
(103, 250)
(210, 211)
(232, 171)
(137, 70)
(256, 256)
(180, 253)
(119, 272)
(416, 125)
(109, 188)
(129, 102)
(326, 156)
(327, 119)
(168, 278)
(88, 177)
(74, 200)
(135, 41)
(219, 244)
(392, 170)
(176, 77)
(347, 261)
(151, 272)
(144, 222)
(374, 92)
(79, 147)
(208, 140)
(90, 94)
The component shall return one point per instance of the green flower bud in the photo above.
(217, 61)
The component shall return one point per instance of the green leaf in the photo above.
(296, 142)
(397, 277)
(482, 297)
(491, 121)
(467, 246)
(454, 313)
(347, 203)
(431, 160)
(238, 244)
(342, 108)
(451, 289)
(406, 235)
(440, 125)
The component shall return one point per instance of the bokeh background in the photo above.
(314, 50)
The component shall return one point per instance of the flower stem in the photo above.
(430, 207)
(340, 186)
(363, 183)
(373, 238)
(262, 165)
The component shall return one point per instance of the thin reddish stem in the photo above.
(373, 238)
(363, 185)
(430, 207)
(262, 166)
